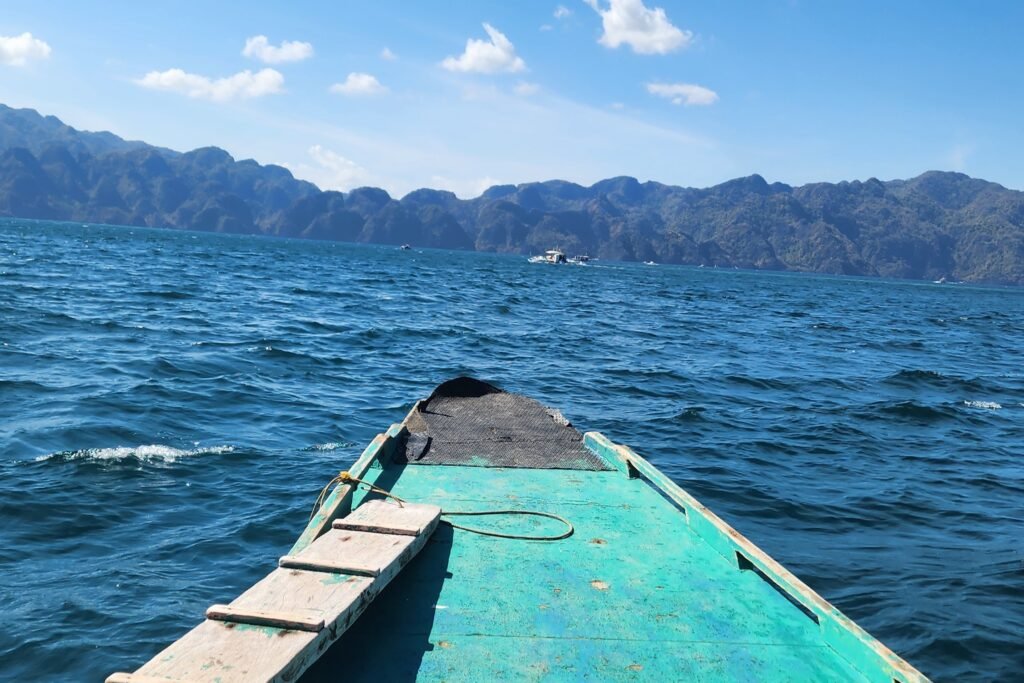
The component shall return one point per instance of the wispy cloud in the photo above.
(259, 47)
(647, 31)
(958, 156)
(242, 85)
(387, 55)
(540, 138)
(487, 56)
(20, 50)
(464, 188)
(334, 172)
(561, 12)
(524, 88)
(686, 94)
(359, 84)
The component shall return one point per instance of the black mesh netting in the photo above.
(468, 422)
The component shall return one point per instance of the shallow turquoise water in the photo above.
(171, 403)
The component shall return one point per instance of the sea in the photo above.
(172, 402)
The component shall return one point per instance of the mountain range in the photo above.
(937, 225)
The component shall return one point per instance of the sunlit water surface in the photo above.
(172, 402)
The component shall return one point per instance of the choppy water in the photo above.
(171, 403)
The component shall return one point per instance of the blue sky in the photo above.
(684, 93)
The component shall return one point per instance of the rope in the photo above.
(534, 513)
(346, 478)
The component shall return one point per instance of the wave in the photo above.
(918, 378)
(329, 446)
(910, 410)
(154, 453)
(169, 294)
(758, 382)
(984, 405)
(691, 414)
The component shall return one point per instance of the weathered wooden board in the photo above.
(339, 502)
(308, 620)
(354, 552)
(294, 590)
(388, 517)
(234, 653)
(280, 626)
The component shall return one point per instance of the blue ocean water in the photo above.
(172, 402)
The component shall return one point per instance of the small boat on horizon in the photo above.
(485, 538)
(553, 256)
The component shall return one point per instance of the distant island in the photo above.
(937, 225)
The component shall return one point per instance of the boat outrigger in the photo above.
(517, 548)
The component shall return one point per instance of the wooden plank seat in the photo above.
(386, 517)
(278, 627)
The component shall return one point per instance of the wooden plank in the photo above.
(356, 552)
(229, 652)
(387, 517)
(331, 596)
(339, 502)
(292, 621)
(122, 677)
(336, 566)
(221, 652)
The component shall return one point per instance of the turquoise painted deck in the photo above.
(634, 594)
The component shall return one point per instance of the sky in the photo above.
(462, 95)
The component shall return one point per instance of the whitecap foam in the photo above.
(147, 453)
(329, 446)
(984, 405)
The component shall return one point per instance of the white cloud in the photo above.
(684, 93)
(482, 56)
(243, 85)
(359, 84)
(20, 50)
(335, 172)
(647, 31)
(561, 12)
(526, 89)
(258, 47)
(547, 27)
(387, 55)
(464, 188)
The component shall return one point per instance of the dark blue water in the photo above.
(171, 403)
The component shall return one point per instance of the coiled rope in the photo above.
(346, 478)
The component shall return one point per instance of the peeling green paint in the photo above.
(650, 587)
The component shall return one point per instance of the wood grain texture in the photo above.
(339, 502)
(277, 628)
(388, 517)
(356, 552)
(292, 620)
(122, 677)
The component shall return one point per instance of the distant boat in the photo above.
(554, 256)
(405, 247)
(650, 263)
(600, 565)
(580, 260)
